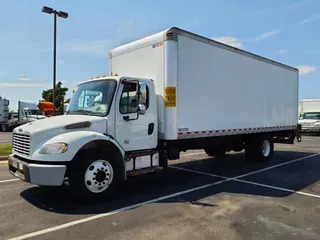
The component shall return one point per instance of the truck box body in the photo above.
(310, 105)
(206, 88)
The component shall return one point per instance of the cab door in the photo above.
(136, 127)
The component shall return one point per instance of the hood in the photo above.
(56, 125)
(41, 131)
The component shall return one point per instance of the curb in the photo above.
(4, 158)
(3, 162)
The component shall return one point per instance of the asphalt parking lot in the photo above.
(197, 197)
(5, 137)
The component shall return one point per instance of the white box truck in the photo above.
(27, 112)
(169, 92)
(309, 117)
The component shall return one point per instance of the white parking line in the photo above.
(9, 180)
(254, 183)
(279, 165)
(226, 179)
(73, 223)
(249, 182)
(278, 188)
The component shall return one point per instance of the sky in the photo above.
(285, 31)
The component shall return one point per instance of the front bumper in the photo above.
(40, 174)
(310, 129)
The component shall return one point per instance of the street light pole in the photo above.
(54, 61)
(62, 15)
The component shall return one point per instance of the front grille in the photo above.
(21, 144)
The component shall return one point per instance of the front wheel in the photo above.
(94, 177)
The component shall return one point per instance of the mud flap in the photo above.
(298, 132)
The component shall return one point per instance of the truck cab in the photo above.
(110, 120)
(310, 122)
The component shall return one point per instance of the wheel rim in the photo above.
(266, 148)
(98, 176)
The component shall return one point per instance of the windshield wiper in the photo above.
(90, 113)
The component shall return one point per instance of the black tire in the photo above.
(81, 164)
(163, 159)
(259, 149)
(218, 152)
(4, 128)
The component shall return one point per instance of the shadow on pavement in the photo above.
(169, 181)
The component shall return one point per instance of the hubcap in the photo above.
(266, 148)
(98, 176)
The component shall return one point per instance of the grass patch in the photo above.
(5, 149)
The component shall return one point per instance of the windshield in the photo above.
(33, 112)
(92, 98)
(310, 115)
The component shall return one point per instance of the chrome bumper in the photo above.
(40, 174)
(310, 129)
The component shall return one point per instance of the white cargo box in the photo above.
(205, 88)
(310, 105)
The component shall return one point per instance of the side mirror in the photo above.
(142, 109)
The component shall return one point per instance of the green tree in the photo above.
(60, 93)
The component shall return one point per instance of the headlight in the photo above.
(54, 148)
(317, 124)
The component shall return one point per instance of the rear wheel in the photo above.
(94, 177)
(259, 149)
(218, 152)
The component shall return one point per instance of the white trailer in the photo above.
(169, 92)
(4, 113)
(309, 116)
(27, 112)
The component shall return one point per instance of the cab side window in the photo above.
(129, 99)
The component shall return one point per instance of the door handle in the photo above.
(150, 128)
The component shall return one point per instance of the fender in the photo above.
(75, 140)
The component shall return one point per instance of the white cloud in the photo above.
(232, 41)
(265, 35)
(283, 51)
(306, 69)
(24, 77)
(23, 85)
(97, 47)
(309, 19)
